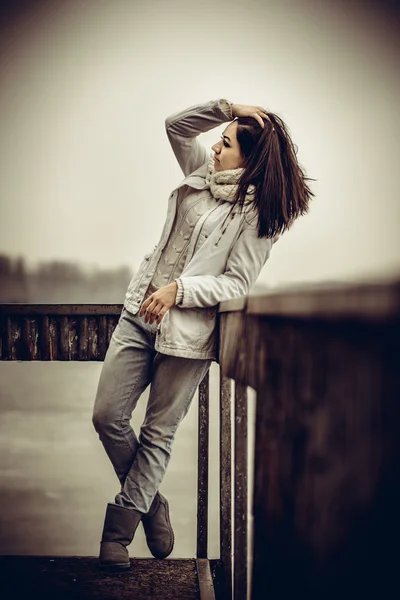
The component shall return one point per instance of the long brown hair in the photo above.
(270, 164)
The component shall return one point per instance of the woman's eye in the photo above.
(226, 145)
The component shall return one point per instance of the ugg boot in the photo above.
(157, 527)
(120, 525)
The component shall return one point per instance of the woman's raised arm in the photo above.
(184, 127)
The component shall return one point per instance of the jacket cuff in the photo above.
(226, 107)
(179, 295)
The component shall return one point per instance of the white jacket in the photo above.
(221, 269)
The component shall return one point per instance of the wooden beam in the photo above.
(206, 585)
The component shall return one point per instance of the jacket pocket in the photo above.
(144, 264)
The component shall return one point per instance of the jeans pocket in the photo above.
(123, 311)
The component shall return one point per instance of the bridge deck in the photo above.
(81, 579)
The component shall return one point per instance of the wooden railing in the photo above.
(82, 333)
(324, 363)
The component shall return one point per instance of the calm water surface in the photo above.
(55, 478)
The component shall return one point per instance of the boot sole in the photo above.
(116, 567)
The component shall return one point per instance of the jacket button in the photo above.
(206, 236)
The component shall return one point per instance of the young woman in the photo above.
(222, 221)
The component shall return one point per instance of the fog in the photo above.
(86, 86)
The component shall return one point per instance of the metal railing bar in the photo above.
(202, 486)
(240, 495)
(225, 474)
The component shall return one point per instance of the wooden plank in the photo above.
(80, 578)
(202, 479)
(367, 301)
(29, 339)
(232, 342)
(93, 352)
(55, 337)
(16, 339)
(237, 304)
(240, 493)
(73, 337)
(206, 585)
(225, 478)
(371, 300)
(60, 309)
(6, 335)
(327, 452)
(112, 322)
(83, 339)
(44, 337)
(102, 336)
(64, 353)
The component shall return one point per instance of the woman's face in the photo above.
(227, 151)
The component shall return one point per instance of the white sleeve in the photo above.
(184, 127)
(248, 256)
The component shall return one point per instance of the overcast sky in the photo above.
(86, 168)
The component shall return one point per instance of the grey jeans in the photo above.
(130, 365)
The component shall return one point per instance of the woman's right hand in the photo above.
(243, 110)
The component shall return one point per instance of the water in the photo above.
(56, 479)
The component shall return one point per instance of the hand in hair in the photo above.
(242, 110)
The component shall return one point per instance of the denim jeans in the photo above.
(130, 365)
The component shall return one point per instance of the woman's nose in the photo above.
(216, 148)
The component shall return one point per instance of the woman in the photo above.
(222, 221)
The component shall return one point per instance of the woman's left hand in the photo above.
(156, 305)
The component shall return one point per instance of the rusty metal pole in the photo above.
(240, 511)
(225, 479)
(202, 487)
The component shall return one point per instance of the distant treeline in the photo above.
(58, 281)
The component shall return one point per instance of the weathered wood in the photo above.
(44, 338)
(92, 339)
(232, 347)
(83, 339)
(102, 335)
(206, 586)
(16, 342)
(202, 478)
(73, 335)
(328, 300)
(225, 478)
(60, 309)
(240, 494)
(38, 336)
(64, 339)
(54, 338)
(29, 339)
(112, 322)
(75, 578)
(325, 364)
(235, 305)
(327, 451)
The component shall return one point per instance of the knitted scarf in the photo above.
(224, 184)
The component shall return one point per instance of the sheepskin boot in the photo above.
(158, 529)
(119, 528)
